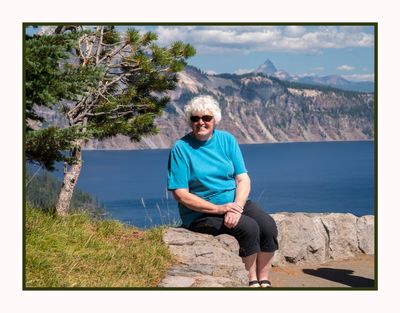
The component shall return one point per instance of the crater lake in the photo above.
(285, 177)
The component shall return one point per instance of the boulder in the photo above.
(203, 260)
(301, 239)
(366, 233)
(304, 238)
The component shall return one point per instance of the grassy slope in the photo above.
(82, 252)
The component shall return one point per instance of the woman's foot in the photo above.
(254, 284)
(265, 283)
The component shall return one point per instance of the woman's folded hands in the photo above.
(233, 214)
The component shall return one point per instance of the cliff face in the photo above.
(208, 261)
(259, 109)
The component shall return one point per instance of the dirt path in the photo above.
(358, 272)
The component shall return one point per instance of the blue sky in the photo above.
(300, 50)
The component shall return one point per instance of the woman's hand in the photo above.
(233, 214)
(230, 207)
(231, 219)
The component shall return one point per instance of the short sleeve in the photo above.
(237, 158)
(178, 170)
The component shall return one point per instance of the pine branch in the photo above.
(85, 49)
(112, 53)
(111, 114)
(99, 45)
(83, 109)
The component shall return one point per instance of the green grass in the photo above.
(82, 252)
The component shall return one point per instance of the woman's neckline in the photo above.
(202, 142)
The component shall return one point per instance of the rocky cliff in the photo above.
(207, 261)
(257, 108)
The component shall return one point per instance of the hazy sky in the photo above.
(303, 50)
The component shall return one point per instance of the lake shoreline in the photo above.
(241, 144)
(312, 177)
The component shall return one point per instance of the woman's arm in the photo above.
(242, 189)
(191, 201)
(242, 192)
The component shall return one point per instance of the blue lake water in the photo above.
(286, 177)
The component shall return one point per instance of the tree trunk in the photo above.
(71, 176)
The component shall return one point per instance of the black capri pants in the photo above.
(255, 232)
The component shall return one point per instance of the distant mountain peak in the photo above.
(266, 68)
(269, 62)
(335, 81)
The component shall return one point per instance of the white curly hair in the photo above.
(203, 104)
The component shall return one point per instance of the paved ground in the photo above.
(358, 272)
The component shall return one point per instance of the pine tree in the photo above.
(50, 78)
(131, 73)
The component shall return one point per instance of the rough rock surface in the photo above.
(204, 260)
(259, 109)
(318, 238)
(304, 238)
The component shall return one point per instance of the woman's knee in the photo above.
(247, 233)
(265, 221)
(248, 228)
(269, 235)
(268, 225)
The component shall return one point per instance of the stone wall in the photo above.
(208, 261)
(318, 238)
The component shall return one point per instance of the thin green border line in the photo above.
(376, 154)
(23, 161)
(374, 24)
(133, 24)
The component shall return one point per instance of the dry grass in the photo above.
(82, 252)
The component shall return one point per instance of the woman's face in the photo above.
(202, 130)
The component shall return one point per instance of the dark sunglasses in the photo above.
(204, 118)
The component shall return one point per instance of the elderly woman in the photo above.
(208, 177)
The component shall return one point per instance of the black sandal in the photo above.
(254, 284)
(265, 283)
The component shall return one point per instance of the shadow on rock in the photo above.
(341, 276)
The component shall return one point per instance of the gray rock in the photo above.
(206, 261)
(177, 281)
(365, 234)
(342, 235)
(214, 281)
(304, 238)
(229, 242)
(301, 238)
